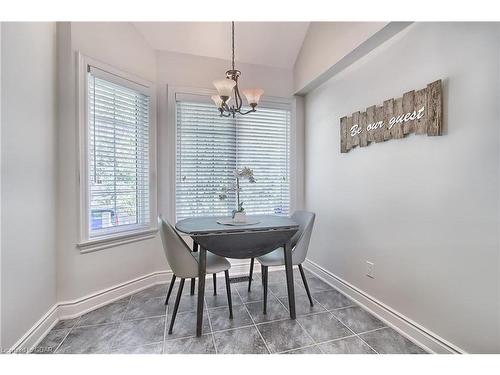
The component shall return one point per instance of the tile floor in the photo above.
(138, 324)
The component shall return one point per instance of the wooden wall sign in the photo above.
(419, 112)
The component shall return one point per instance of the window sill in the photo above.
(115, 240)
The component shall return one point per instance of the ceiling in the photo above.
(274, 44)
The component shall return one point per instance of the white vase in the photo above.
(240, 217)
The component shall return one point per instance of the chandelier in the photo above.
(228, 88)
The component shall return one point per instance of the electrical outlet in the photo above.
(370, 269)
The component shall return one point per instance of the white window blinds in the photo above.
(118, 155)
(210, 147)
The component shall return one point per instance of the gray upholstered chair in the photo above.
(299, 243)
(184, 264)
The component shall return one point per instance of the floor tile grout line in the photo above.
(307, 314)
(233, 328)
(344, 308)
(120, 325)
(321, 350)
(376, 352)
(302, 347)
(288, 317)
(67, 334)
(300, 325)
(353, 332)
(210, 325)
(337, 339)
(373, 330)
(253, 322)
(255, 325)
(165, 329)
(144, 317)
(341, 308)
(330, 310)
(357, 334)
(182, 337)
(193, 336)
(123, 321)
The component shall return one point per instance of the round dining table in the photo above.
(260, 235)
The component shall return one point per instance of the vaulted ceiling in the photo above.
(274, 44)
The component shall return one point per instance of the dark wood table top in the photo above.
(209, 225)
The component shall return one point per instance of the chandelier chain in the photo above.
(232, 37)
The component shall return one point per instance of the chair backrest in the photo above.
(179, 257)
(300, 240)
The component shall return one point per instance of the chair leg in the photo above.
(262, 274)
(215, 283)
(172, 282)
(251, 274)
(264, 281)
(228, 291)
(193, 282)
(303, 275)
(176, 306)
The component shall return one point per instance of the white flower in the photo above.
(243, 172)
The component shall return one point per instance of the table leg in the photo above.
(195, 249)
(202, 270)
(289, 278)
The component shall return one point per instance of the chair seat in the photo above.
(274, 258)
(215, 263)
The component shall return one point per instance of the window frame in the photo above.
(112, 238)
(267, 102)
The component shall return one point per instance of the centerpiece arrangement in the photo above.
(238, 214)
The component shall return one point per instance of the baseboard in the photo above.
(72, 309)
(75, 308)
(394, 319)
(36, 333)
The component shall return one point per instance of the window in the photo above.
(118, 134)
(210, 147)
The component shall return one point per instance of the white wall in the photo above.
(117, 44)
(424, 209)
(28, 172)
(180, 69)
(325, 44)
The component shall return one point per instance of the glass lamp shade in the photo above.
(217, 100)
(224, 87)
(253, 95)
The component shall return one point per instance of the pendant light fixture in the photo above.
(228, 89)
